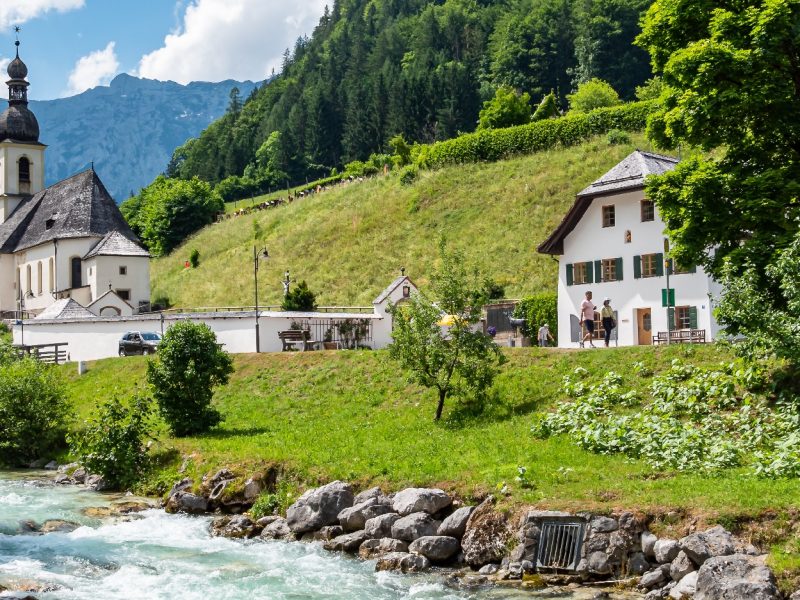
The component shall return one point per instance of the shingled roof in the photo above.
(630, 174)
(66, 308)
(116, 244)
(79, 206)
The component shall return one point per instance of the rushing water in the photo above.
(153, 555)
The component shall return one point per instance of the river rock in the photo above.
(373, 548)
(456, 523)
(319, 507)
(735, 576)
(489, 569)
(437, 548)
(403, 562)
(413, 500)
(328, 533)
(79, 475)
(681, 566)
(62, 478)
(355, 517)
(648, 544)
(374, 492)
(637, 564)
(599, 563)
(252, 489)
(666, 550)
(277, 530)
(603, 525)
(381, 526)
(237, 527)
(51, 466)
(701, 546)
(96, 483)
(267, 520)
(208, 483)
(413, 526)
(486, 536)
(186, 502)
(655, 578)
(349, 542)
(183, 485)
(685, 588)
(58, 526)
(27, 526)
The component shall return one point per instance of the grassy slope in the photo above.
(352, 415)
(350, 242)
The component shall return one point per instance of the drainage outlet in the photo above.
(560, 545)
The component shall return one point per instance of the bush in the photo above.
(273, 503)
(650, 89)
(194, 258)
(493, 145)
(33, 412)
(401, 151)
(189, 365)
(408, 174)
(300, 299)
(506, 109)
(593, 94)
(616, 137)
(537, 310)
(112, 445)
(547, 109)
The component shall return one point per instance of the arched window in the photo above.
(28, 279)
(75, 264)
(24, 175)
(39, 274)
(51, 276)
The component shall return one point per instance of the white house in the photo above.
(612, 243)
(68, 240)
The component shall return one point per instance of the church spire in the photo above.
(17, 72)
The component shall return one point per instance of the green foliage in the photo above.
(490, 290)
(542, 135)
(615, 136)
(650, 89)
(273, 503)
(593, 94)
(33, 411)
(401, 151)
(189, 365)
(112, 442)
(459, 361)
(547, 109)
(194, 258)
(169, 210)
(537, 310)
(300, 299)
(409, 174)
(506, 109)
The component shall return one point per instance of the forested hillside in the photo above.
(373, 69)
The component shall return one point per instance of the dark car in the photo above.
(139, 342)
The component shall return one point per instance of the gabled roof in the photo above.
(67, 308)
(113, 294)
(392, 287)
(116, 244)
(630, 174)
(79, 206)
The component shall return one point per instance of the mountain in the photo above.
(129, 128)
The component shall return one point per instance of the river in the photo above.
(154, 555)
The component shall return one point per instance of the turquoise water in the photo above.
(154, 555)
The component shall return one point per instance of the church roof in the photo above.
(116, 244)
(392, 287)
(79, 206)
(66, 308)
(630, 174)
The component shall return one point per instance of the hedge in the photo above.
(537, 310)
(497, 144)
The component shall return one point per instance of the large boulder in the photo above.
(637, 564)
(412, 500)
(486, 536)
(681, 567)
(277, 530)
(328, 533)
(319, 507)
(701, 546)
(456, 523)
(349, 542)
(381, 526)
(655, 578)
(666, 550)
(374, 492)
(413, 526)
(648, 544)
(355, 517)
(186, 502)
(239, 526)
(403, 562)
(685, 588)
(374, 548)
(437, 548)
(735, 576)
(603, 525)
(598, 563)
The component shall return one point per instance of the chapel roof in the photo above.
(392, 287)
(66, 308)
(116, 244)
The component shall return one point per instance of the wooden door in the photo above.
(644, 325)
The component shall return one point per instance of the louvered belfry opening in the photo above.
(560, 545)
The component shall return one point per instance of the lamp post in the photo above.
(258, 255)
(667, 269)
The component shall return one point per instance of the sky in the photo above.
(70, 46)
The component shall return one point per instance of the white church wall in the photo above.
(9, 174)
(8, 275)
(130, 273)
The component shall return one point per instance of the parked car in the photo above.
(139, 342)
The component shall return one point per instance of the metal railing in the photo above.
(340, 333)
(206, 309)
(560, 546)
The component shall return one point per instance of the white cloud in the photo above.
(231, 39)
(16, 12)
(3, 64)
(96, 68)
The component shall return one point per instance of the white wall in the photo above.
(10, 153)
(104, 270)
(590, 241)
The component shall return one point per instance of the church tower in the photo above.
(21, 153)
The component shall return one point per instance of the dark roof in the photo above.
(17, 69)
(116, 244)
(630, 174)
(19, 124)
(66, 308)
(79, 206)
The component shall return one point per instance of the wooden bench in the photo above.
(292, 338)
(680, 336)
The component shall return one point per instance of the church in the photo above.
(67, 242)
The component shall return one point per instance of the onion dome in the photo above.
(17, 69)
(17, 122)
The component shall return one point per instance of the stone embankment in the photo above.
(417, 529)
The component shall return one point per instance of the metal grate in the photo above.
(560, 546)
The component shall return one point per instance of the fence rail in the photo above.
(48, 353)
(206, 309)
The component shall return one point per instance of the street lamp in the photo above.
(258, 255)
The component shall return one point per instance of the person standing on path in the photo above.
(607, 316)
(587, 319)
(544, 335)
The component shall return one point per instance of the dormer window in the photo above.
(49, 224)
(609, 216)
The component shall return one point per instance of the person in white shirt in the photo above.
(587, 319)
(544, 335)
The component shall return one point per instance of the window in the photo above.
(24, 170)
(123, 270)
(51, 273)
(650, 263)
(39, 278)
(75, 264)
(648, 211)
(49, 224)
(124, 294)
(609, 269)
(609, 216)
(579, 273)
(28, 286)
(684, 317)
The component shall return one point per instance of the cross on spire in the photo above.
(17, 29)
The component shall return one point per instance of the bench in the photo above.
(680, 336)
(292, 338)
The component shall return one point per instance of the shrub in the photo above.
(300, 299)
(547, 109)
(408, 174)
(273, 503)
(506, 109)
(537, 310)
(650, 89)
(593, 94)
(189, 365)
(401, 151)
(616, 137)
(112, 444)
(33, 411)
(194, 258)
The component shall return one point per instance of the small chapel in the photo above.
(66, 243)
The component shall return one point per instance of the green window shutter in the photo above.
(671, 319)
(637, 267)
(659, 265)
(619, 269)
(693, 317)
(569, 274)
(598, 271)
(589, 277)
